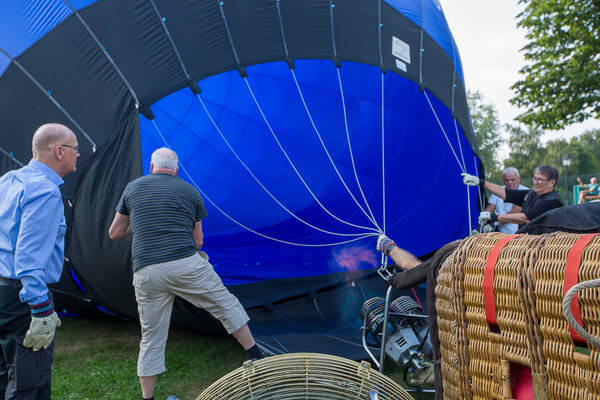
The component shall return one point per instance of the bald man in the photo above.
(32, 232)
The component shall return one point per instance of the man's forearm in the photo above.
(514, 218)
(403, 258)
(120, 227)
(495, 189)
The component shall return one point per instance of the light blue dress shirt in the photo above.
(32, 229)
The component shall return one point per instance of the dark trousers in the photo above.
(24, 374)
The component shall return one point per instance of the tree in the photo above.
(526, 151)
(487, 131)
(591, 141)
(561, 78)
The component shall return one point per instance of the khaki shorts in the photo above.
(191, 278)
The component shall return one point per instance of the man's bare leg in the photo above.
(147, 383)
(244, 337)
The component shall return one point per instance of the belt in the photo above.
(13, 283)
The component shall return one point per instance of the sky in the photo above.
(489, 41)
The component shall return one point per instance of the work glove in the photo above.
(385, 244)
(487, 228)
(472, 180)
(43, 326)
(484, 217)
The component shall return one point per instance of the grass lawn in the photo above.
(95, 359)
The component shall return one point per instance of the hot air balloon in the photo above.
(309, 127)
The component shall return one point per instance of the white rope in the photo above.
(350, 149)
(462, 156)
(292, 164)
(444, 132)
(261, 184)
(325, 147)
(382, 137)
(566, 306)
(244, 226)
(469, 208)
(479, 194)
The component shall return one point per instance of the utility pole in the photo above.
(566, 161)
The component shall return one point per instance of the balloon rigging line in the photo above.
(382, 136)
(335, 55)
(325, 147)
(235, 54)
(290, 161)
(244, 226)
(285, 48)
(166, 30)
(462, 156)
(444, 132)
(350, 148)
(261, 184)
(331, 8)
(48, 93)
(480, 195)
(379, 26)
(9, 155)
(103, 49)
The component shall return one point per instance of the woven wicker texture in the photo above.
(571, 374)
(528, 284)
(304, 376)
(447, 327)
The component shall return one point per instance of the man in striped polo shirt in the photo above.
(164, 213)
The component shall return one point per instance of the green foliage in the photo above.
(561, 77)
(526, 151)
(487, 131)
(590, 140)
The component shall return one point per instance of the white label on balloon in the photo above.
(400, 49)
(401, 65)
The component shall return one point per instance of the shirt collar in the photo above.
(47, 171)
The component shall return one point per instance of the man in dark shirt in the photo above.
(164, 213)
(534, 202)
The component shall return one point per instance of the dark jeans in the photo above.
(24, 374)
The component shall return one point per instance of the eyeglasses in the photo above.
(77, 148)
(538, 179)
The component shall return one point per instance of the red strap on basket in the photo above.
(488, 282)
(571, 279)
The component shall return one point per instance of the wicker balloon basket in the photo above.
(499, 305)
(304, 376)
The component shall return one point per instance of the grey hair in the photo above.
(165, 158)
(510, 170)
